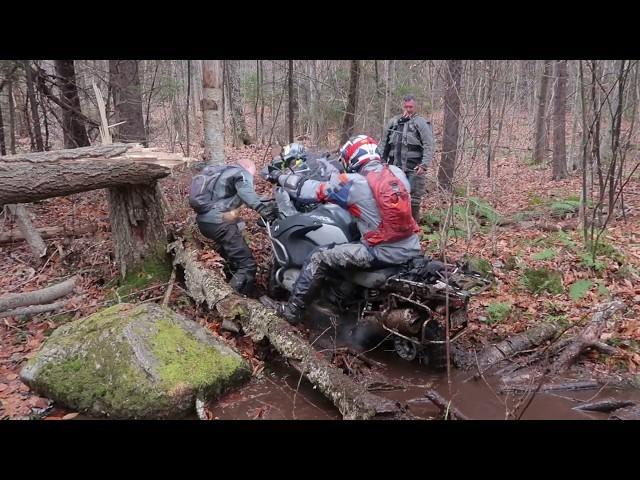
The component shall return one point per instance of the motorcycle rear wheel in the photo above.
(274, 290)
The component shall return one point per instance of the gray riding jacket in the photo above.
(233, 189)
(351, 191)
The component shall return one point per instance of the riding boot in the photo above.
(291, 311)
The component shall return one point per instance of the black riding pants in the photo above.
(230, 244)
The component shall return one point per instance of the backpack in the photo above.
(394, 204)
(202, 185)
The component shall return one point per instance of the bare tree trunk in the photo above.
(236, 102)
(147, 129)
(572, 156)
(125, 84)
(136, 211)
(35, 118)
(313, 93)
(186, 118)
(74, 131)
(3, 146)
(12, 118)
(273, 97)
(27, 124)
(559, 121)
(261, 101)
(212, 111)
(585, 154)
(540, 135)
(496, 144)
(352, 101)
(255, 106)
(385, 110)
(291, 100)
(45, 120)
(489, 126)
(451, 122)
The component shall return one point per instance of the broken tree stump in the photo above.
(352, 400)
(137, 224)
(38, 297)
(129, 171)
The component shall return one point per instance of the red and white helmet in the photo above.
(358, 151)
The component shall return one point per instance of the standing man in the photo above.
(407, 142)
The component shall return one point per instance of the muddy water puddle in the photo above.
(281, 394)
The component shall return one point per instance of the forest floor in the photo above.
(543, 234)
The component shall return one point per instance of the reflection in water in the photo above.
(283, 394)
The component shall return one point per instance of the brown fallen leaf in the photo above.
(11, 376)
(70, 416)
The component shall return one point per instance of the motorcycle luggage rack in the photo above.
(277, 251)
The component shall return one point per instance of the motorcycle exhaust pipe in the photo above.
(403, 320)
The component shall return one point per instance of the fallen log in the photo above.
(15, 235)
(30, 234)
(445, 405)
(604, 405)
(33, 309)
(114, 151)
(588, 338)
(550, 387)
(510, 346)
(38, 297)
(23, 182)
(628, 413)
(352, 400)
(99, 151)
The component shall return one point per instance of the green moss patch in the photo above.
(579, 289)
(542, 280)
(186, 361)
(498, 312)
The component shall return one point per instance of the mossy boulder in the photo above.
(134, 361)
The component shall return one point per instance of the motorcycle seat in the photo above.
(373, 278)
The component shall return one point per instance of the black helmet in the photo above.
(292, 152)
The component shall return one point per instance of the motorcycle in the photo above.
(411, 302)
